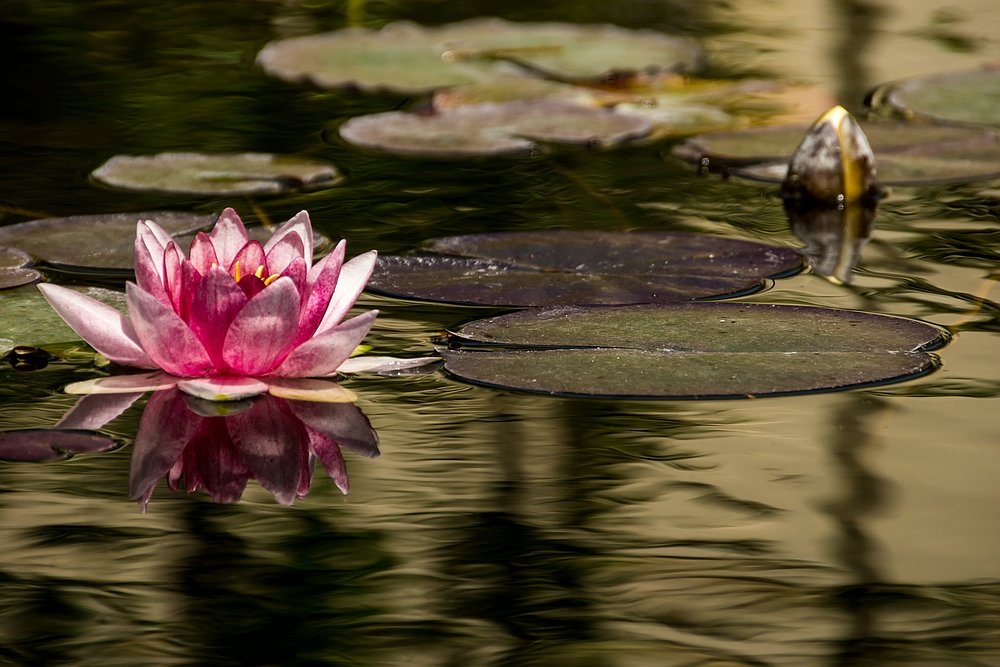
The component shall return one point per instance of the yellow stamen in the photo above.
(215, 265)
(236, 270)
(260, 272)
(270, 279)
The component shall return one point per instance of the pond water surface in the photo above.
(501, 528)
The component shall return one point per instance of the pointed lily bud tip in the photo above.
(834, 163)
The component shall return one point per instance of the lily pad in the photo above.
(215, 174)
(100, 242)
(492, 129)
(13, 268)
(965, 97)
(407, 58)
(48, 444)
(694, 350)
(26, 318)
(568, 267)
(905, 153)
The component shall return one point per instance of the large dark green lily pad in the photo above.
(905, 153)
(215, 174)
(966, 97)
(566, 267)
(407, 58)
(26, 318)
(492, 129)
(694, 350)
(13, 268)
(100, 242)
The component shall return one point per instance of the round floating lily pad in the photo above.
(26, 318)
(100, 242)
(48, 444)
(13, 271)
(564, 267)
(215, 174)
(965, 97)
(696, 350)
(905, 153)
(492, 129)
(406, 58)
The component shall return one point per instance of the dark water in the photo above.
(854, 528)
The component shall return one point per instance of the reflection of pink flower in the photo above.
(236, 316)
(274, 441)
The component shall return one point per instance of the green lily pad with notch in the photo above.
(492, 129)
(971, 96)
(104, 243)
(215, 173)
(14, 270)
(691, 350)
(573, 267)
(26, 318)
(905, 153)
(406, 58)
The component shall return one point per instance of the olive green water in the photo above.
(853, 528)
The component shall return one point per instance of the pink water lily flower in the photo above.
(234, 319)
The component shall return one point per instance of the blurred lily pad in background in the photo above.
(14, 270)
(407, 58)
(492, 129)
(905, 153)
(215, 174)
(96, 242)
(971, 96)
(693, 350)
(569, 267)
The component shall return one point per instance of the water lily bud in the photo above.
(833, 163)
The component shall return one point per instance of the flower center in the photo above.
(259, 273)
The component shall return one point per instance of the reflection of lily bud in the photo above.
(219, 447)
(834, 236)
(833, 163)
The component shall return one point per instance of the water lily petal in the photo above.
(94, 411)
(202, 253)
(383, 364)
(170, 342)
(165, 428)
(288, 248)
(104, 328)
(322, 354)
(333, 461)
(228, 236)
(321, 282)
(123, 384)
(250, 257)
(172, 282)
(217, 301)
(343, 423)
(307, 389)
(301, 224)
(263, 333)
(274, 446)
(190, 279)
(296, 270)
(353, 277)
(149, 267)
(222, 387)
(154, 238)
